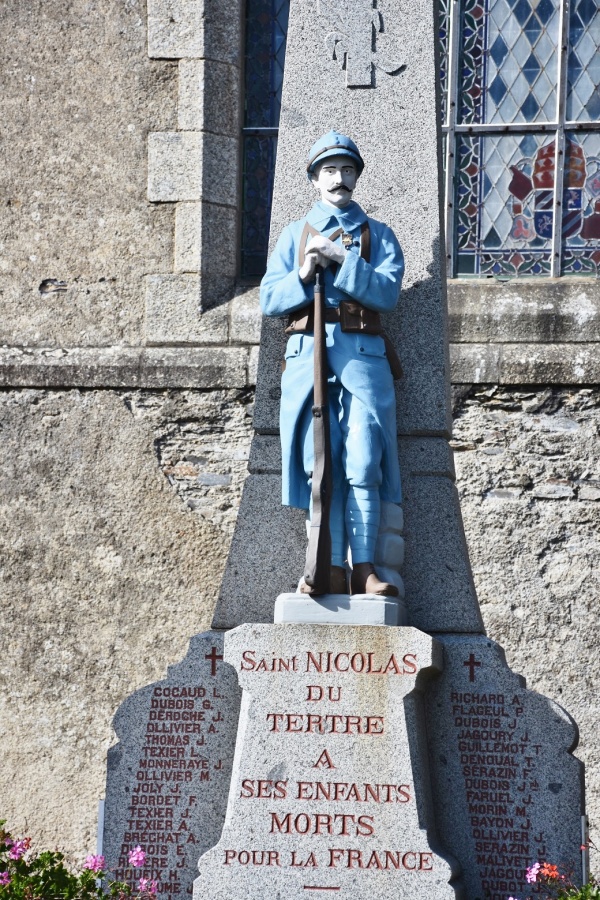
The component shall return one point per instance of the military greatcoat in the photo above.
(357, 362)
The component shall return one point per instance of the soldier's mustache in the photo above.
(340, 187)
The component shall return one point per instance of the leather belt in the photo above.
(354, 318)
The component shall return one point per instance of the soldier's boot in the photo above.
(338, 582)
(364, 580)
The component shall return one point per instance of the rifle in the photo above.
(318, 555)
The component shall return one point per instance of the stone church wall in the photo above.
(125, 417)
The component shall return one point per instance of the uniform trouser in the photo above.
(357, 451)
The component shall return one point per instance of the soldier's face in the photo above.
(335, 179)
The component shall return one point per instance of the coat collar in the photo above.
(322, 216)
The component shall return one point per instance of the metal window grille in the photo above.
(265, 39)
(520, 119)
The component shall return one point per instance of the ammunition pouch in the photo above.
(353, 318)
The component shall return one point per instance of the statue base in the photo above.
(339, 609)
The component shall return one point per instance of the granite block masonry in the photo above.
(329, 789)
(168, 776)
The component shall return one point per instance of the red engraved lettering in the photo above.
(315, 724)
(334, 858)
(354, 856)
(247, 790)
(365, 826)
(281, 826)
(426, 862)
(410, 664)
(311, 659)
(393, 666)
(371, 670)
(280, 791)
(304, 790)
(315, 692)
(302, 823)
(248, 661)
(323, 821)
(405, 860)
(374, 725)
(357, 662)
(374, 861)
(337, 663)
(324, 761)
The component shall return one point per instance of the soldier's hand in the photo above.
(320, 244)
(312, 259)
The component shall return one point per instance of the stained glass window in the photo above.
(522, 136)
(266, 31)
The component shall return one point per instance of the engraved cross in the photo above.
(472, 664)
(358, 41)
(213, 656)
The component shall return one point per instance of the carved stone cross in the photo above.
(358, 41)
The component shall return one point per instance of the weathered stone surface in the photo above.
(536, 562)
(188, 237)
(175, 28)
(175, 166)
(531, 311)
(105, 575)
(475, 363)
(440, 593)
(425, 456)
(576, 363)
(253, 365)
(174, 312)
(188, 165)
(121, 367)
(189, 28)
(265, 455)
(78, 97)
(258, 570)
(507, 789)
(209, 93)
(245, 316)
(329, 704)
(168, 777)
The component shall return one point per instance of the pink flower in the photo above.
(150, 887)
(94, 863)
(137, 857)
(19, 848)
(4, 878)
(531, 873)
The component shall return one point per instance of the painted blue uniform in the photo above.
(361, 388)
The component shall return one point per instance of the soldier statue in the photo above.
(362, 266)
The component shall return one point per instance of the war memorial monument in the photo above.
(349, 733)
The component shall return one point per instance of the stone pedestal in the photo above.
(339, 609)
(329, 790)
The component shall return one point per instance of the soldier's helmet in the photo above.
(333, 144)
